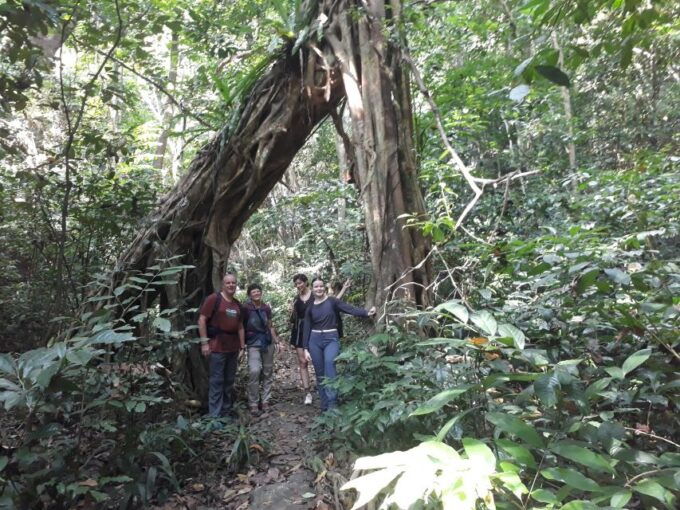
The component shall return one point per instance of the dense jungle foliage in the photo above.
(546, 376)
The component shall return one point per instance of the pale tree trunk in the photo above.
(167, 113)
(568, 114)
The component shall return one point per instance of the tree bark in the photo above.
(378, 97)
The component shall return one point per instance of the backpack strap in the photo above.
(216, 307)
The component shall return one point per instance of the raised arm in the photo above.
(351, 310)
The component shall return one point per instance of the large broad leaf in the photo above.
(111, 337)
(635, 360)
(163, 324)
(7, 364)
(572, 478)
(519, 92)
(485, 322)
(583, 456)
(620, 498)
(519, 454)
(546, 388)
(554, 74)
(618, 276)
(513, 425)
(440, 400)
(508, 330)
(655, 490)
(482, 458)
(451, 423)
(368, 486)
(456, 309)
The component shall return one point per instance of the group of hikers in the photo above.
(227, 328)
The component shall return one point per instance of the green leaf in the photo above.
(618, 276)
(544, 496)
(580, 504)
(554, 74)
(587, 280)
(519, 92)
(3, 462)
(485, 322)
(546, 388)
(522, 67)
(456, 309)
(163, 324)
(480, 455)
(572, 478)
(620, 498)
(508, 330)
(7, 365)
(615, 372)
(451, 423)
(594, 389)
(513, 483)
(368, 486)
(519, 454)
(635, 360)
(583, 456)
(653, 489)
(513, 425)
(439, 401)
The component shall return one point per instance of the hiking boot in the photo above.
(308, 399)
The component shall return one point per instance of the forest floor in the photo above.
(292, 472)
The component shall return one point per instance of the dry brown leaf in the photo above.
(321, 476)
(197, 487)
(90, 482)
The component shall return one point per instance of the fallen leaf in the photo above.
(244, 490)
(320, 477)
(308, 495)
(197, 487)
(89, 483)
(257, 447)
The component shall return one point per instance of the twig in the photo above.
(653, 436)
(646, 473)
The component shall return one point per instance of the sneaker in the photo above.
(308, 399)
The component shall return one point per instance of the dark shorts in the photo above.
(296, 336)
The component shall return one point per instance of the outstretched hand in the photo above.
(371, 312)
(205, 349)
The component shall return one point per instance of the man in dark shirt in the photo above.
(222, 312)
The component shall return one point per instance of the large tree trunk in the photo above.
(378, 96)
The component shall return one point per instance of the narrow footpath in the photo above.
(282, 478)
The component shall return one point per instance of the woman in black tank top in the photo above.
(300, 303)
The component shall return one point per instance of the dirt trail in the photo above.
(281, 480)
